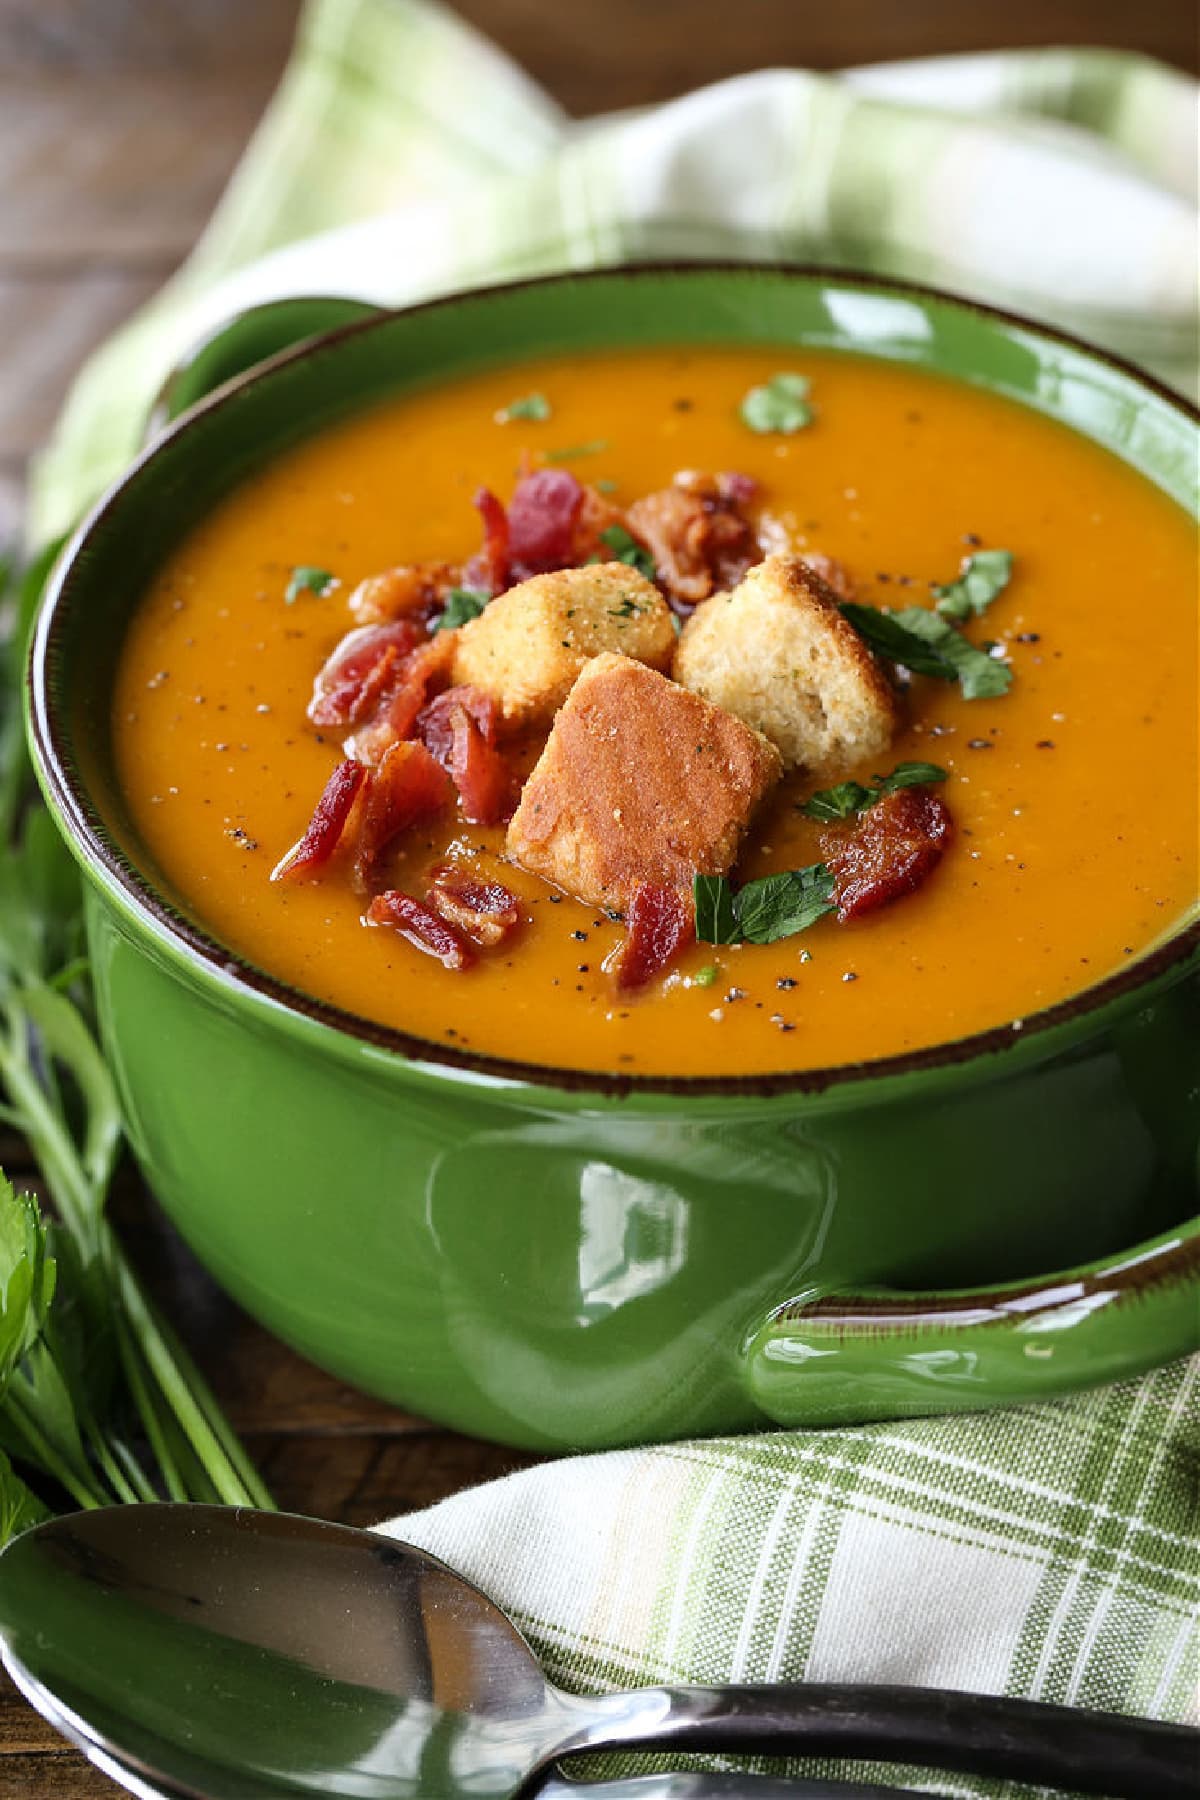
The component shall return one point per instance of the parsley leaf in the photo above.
(777, 906)
(929, 645)
(780, 404)
(716, 921)
(306, 579)
(706, 976)
(840, 802)
(529, 406)
(462, 604)
(571, 451)
(850, 797)
(626, 549)
(982, 577)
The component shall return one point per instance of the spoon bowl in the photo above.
(211, 1651)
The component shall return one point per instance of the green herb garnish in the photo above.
(626, 549)
(573, 450)
(928, 644)
(983, 576)
(851, 797)
(706, 976)
(307, 580)
(529, 406)
(762, 912)
(462, 605)
(780, 404)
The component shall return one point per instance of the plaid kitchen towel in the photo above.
(404, 156)
(1051, 1551)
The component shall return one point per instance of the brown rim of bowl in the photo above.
(102, 853)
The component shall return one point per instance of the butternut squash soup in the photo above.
(693, 713)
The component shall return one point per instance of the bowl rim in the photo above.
(208, 959)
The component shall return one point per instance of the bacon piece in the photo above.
(596, 515)
(660, 924)
(485, 910)
(407, 786)
(412, 590)
(434, 935)
(459, 728)
(541, 522)
(403, 699)
(326, 826)
(889, 850)
(698, 537)
(435, 727)
(489, 569)
(358, 672)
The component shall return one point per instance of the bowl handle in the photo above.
(244, 341)
(849, 1358)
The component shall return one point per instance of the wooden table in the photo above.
(119, 123)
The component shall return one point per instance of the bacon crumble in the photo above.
(889, 850)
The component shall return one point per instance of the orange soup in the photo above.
(1073, 794)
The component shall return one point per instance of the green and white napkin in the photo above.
(1051, 1551)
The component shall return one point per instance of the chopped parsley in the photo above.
(308, 580)
(928, 644)
(774, 907)
(462, 605)
(592, 448)
(706, 976)
(626, 549)
(529, 406)
(982, 577)
(780, 404)
(851, 797)
(628, 609)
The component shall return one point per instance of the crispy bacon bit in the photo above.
(459, 728)
(359, 670)
(485, 910)
(434, 935)
(402, 701)
(541, 522)
(327, 825)
(596, 515)
(407, 786)
(412, 590)
(698, 537)
(833, 573)
(888, 851)
(736, 488)
(660, 925)
(435, 728)
(489, 568)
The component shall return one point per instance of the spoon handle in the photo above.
(1016, 1740)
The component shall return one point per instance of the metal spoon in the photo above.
(197, 1646)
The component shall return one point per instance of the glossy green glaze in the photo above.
(559, 1261)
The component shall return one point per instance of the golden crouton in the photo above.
(640, 780)
(777, 653)
(527, 646)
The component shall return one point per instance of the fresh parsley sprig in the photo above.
(762, 912)
(530, 406)
(306, 578)
(461, 605)
(851, 797)
(625, 548)
(929, 644)
(779, 405)
(983, 577)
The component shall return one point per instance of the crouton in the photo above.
(527, 646)
(777, 653)
(640, 780)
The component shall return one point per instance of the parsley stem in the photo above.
(41, 1451)
(148, 1414)
(138, 1479)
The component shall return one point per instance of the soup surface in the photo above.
(1074, 794)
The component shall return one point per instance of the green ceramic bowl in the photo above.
(561, 1260)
